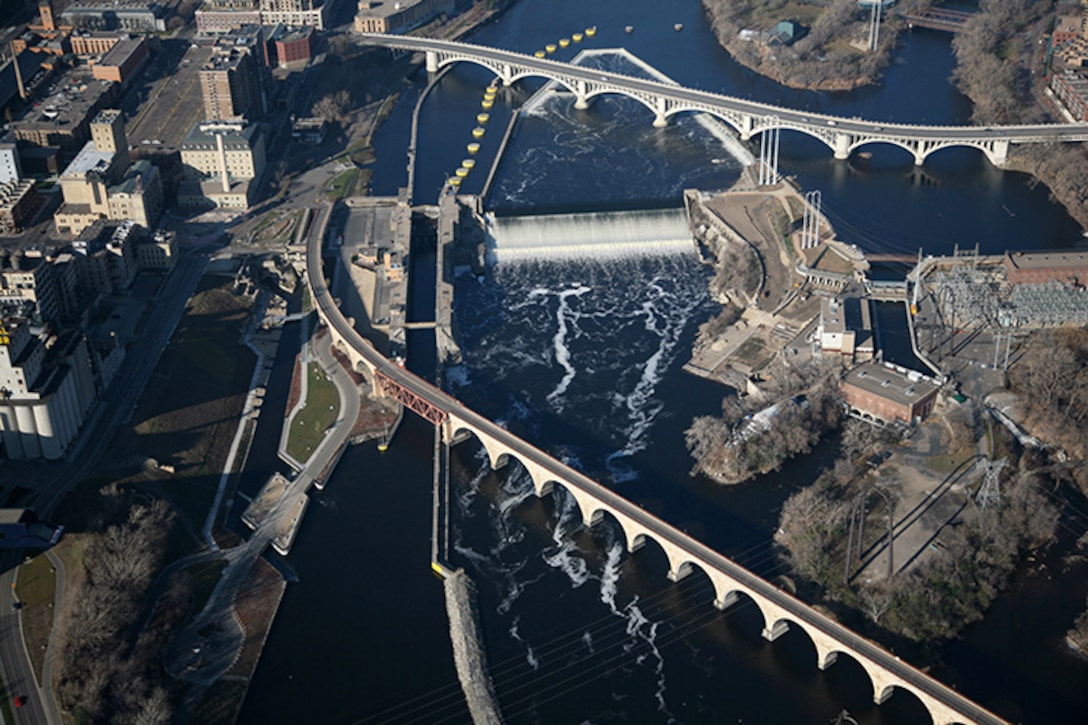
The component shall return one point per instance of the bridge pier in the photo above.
(999, 154)
(746, 125)
(432, 61)
(580, 101)
(660, 107)
(842, 146)
(679, 572)
(774, 631)
(726, 601)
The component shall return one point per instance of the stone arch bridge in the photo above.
(748, 118)
(731, 581)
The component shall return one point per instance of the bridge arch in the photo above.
(906, 146)
(444, 61)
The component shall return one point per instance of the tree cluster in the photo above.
(1051, 383)
(333, 107)
(935, 600)
(733, 447)
(110, 667)
(993, 54)
(939, 595)
(824, 58)
(989, 51)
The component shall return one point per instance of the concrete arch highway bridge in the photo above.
(749, 118)
(596, 502)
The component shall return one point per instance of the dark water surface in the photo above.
(583, 359)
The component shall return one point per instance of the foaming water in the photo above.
(587, 341)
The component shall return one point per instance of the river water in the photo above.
(583, 358)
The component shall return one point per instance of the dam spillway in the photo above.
(600, 234)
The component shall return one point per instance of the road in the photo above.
(113, 408)
(644, 89)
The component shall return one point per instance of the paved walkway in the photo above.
(208, 646)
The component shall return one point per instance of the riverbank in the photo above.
(828, 52)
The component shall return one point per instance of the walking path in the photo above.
(210, 643)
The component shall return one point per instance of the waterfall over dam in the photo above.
(588, 234)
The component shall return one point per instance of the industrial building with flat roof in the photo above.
(889, 394)
(384, 16)
(1068, 266)
(146, 17)
(62, 119)
(122, 61)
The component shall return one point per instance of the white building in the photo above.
(47, 387)
(10, 168)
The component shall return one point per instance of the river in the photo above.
(583, 359)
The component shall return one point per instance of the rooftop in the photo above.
(69, 100)
(1058, 259)
(891, 384)
(89, 158)
(384, 8)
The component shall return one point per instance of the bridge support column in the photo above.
(842, 146)
(746, 128)
(660, 121)
(999, 155)
(680, 572)
(432, 61)
(507, 76)
(827, 661)
(580, 101)
(727, 601)
(773, 632)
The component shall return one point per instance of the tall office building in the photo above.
(232, 82)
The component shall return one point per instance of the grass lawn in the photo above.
(949, 462)
(321, 407)
(35, 586)
(190, 410)
(343, 184)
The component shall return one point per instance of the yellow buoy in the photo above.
(468, 163)
(550, 47)
(455, 181)
(462, 172)
(564, 42)
(473, 148)
(489, 96)
(590, 32)
(540, 54)
(478, 132)
(487, 103)
(577, 37)
(483, 118)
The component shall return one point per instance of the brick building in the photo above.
(887, 394)
(1067, 266)
(121, 61)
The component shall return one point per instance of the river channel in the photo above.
(583, 359)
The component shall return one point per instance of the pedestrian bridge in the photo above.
(596, 502)
(749, 118)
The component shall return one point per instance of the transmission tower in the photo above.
(874, 24)
(989, 493)
(768, 152)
